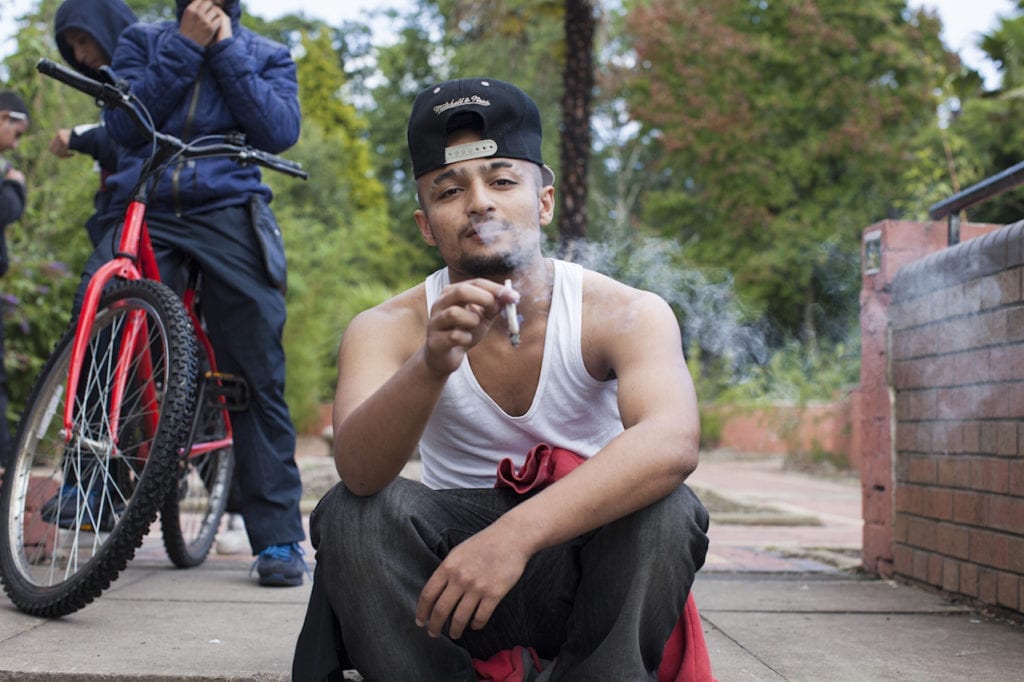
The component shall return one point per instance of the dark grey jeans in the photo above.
(602, 605)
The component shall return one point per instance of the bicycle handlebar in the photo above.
(119, 95)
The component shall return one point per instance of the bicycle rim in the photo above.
(191, 514)
(74, 510)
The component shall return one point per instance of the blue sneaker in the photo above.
(281, 565)
(67, 510)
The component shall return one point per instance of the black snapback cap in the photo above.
(508, 120)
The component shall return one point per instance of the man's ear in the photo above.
(424, 224)
(547, 205)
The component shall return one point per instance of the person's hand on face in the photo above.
(205, 22)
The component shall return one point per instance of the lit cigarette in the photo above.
(512, 318)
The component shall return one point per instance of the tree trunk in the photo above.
(578, 80)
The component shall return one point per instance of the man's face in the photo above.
(87, 50)
(484, 215)
(13, 125)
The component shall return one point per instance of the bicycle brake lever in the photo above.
(111, 79)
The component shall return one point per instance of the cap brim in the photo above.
(547, 175)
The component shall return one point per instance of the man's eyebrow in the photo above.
(493, 165)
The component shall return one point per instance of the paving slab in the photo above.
(157, 622)
(836, 628)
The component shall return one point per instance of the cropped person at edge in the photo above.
(417, 580)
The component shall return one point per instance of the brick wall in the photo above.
(956, 369)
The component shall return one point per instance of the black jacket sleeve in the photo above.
(12, 203)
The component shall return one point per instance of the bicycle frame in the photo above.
(134, 259)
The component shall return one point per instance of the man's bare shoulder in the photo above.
(610, 302)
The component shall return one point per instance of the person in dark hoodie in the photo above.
(13, 124)
(86, 32)
(206, 74)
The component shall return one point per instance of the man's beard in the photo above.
(497, 265)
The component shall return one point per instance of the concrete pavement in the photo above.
(779, 602)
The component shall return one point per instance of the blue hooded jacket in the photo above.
(104, 20)
(245, 84)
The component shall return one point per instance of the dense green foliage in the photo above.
(740, 147)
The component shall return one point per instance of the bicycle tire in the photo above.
(101, 490)
(191, 513)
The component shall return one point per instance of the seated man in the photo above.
(419, 580)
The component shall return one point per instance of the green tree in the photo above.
(343, 257)
(781, 125)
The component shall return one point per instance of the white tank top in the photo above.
(468, 433)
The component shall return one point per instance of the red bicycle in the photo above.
(129, 416)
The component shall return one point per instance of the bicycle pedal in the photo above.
(233, 389)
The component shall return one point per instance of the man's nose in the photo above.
(480, 200)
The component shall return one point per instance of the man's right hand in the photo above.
(59, 143)
(204, 23)
(460, 317)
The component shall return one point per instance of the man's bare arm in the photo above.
(392, 368)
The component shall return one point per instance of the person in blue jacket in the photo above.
(86, 32)
(206, 74)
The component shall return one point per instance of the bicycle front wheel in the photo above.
(76, 503)
(192, 510)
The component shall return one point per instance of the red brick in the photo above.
(906, 436)
(1005, 513)
(972, 437)
(899, 531)
(940, 504)
(923, 469)
(924, 435)
(989, 434)
(987, 580)
(935, 565)
(942, 442)
(990, 549)
(921, 533)
(970, 367)
(954, 541)
(919, 569)
(969, 508)
(1006, 363)
(903, 560)
(1016, 478)
(955, 437)
(1015, 551)
(1015, 317)
(1007, 440)
(1007, 590)
(969, 579)
(993, 329)
(955, 472)
(990, 474)
(950, 575)
(878, 547)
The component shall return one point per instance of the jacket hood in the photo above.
(232, 7)
(102, 19)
